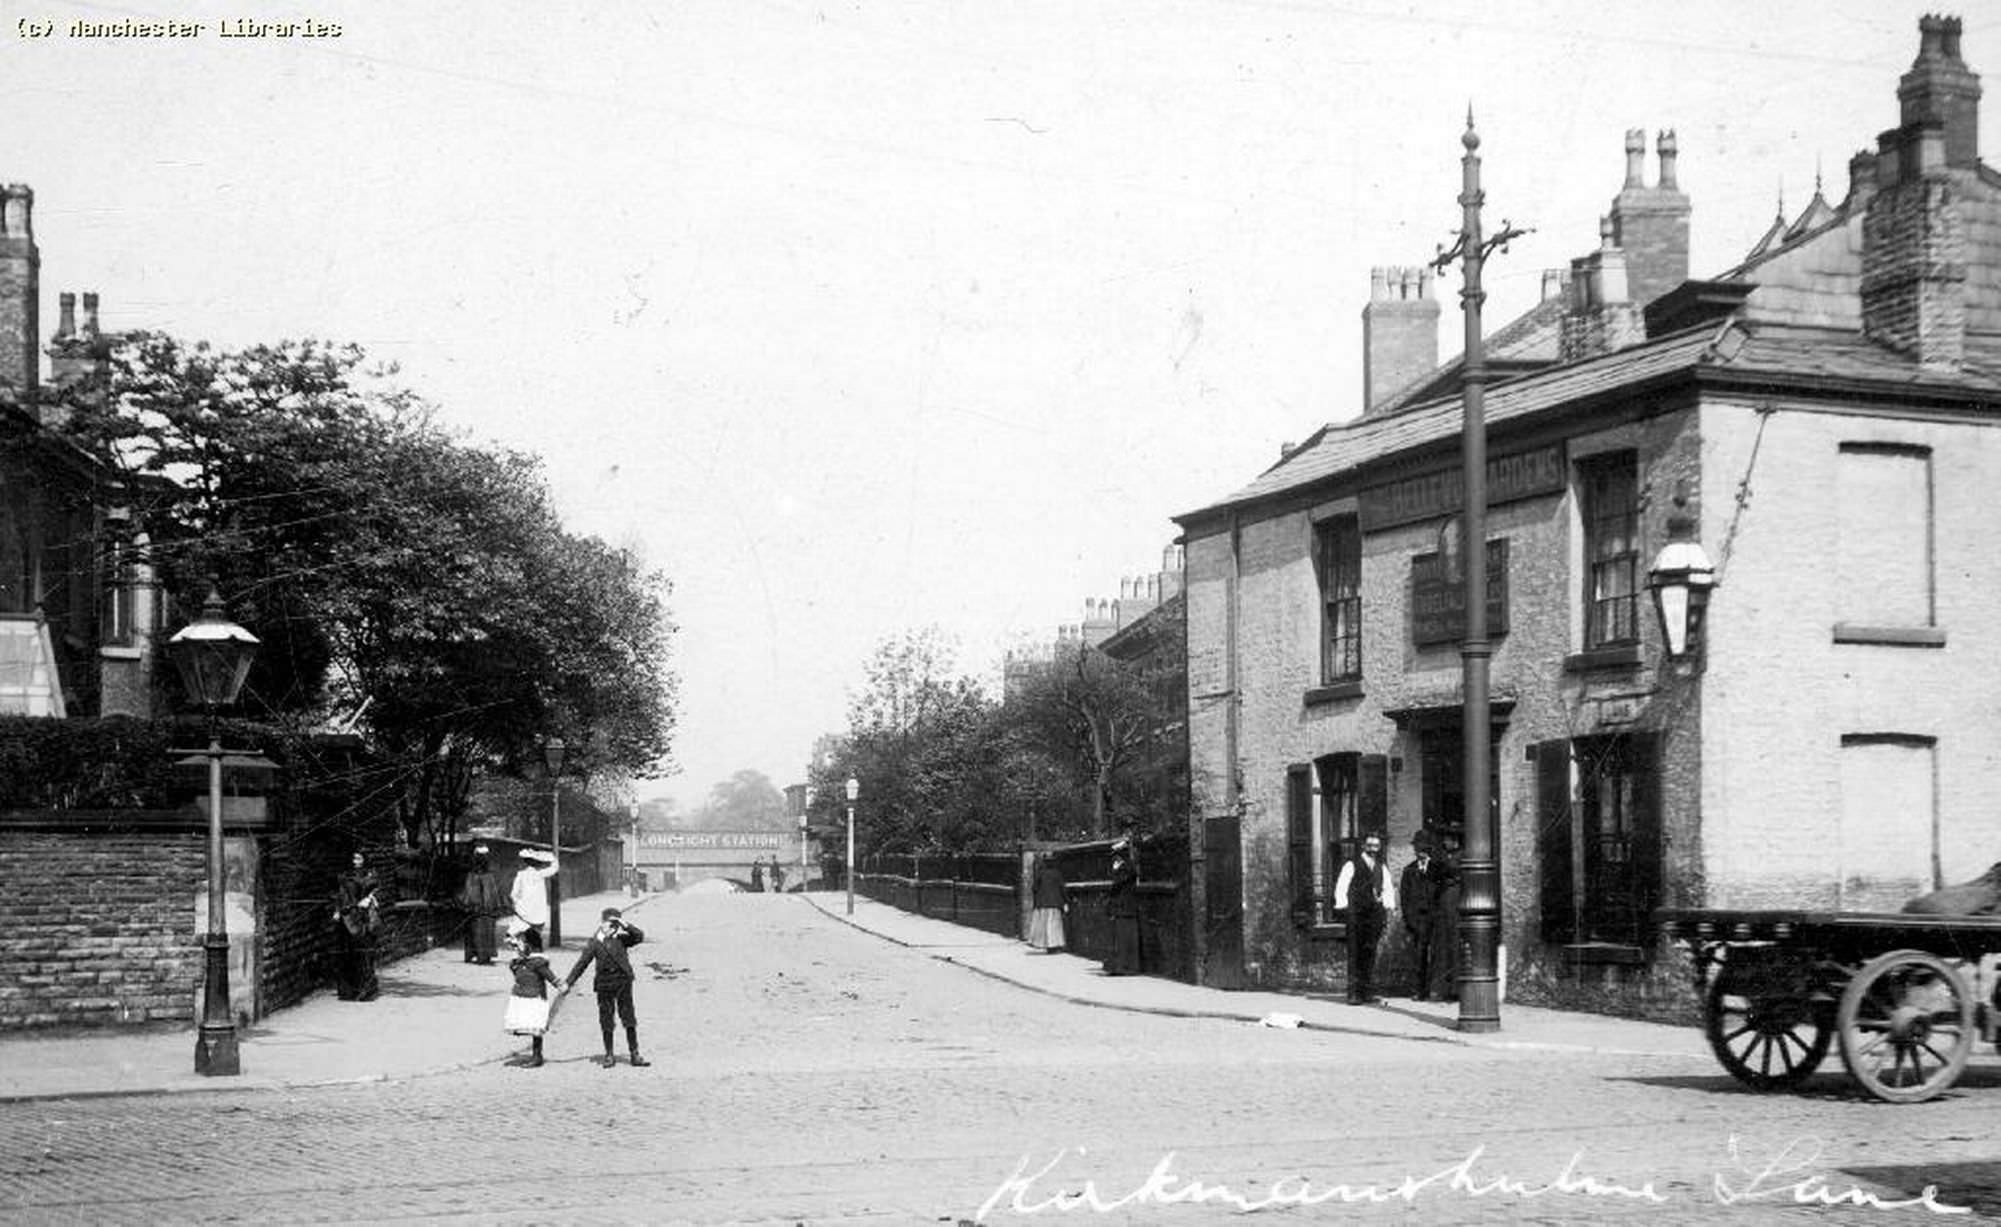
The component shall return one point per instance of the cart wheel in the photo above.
(1767, 1043)
(1906, 1026)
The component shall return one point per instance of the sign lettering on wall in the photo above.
(747, 841)
(1427, 496)
(1438, 603)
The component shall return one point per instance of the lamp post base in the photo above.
(215, 1052)
(215, 1043)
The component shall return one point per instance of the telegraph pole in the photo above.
(1480, 901)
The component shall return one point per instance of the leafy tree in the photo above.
(400, 577)
(919, 741)
(1093, 712)
(747, 801)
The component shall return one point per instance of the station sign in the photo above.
(718, 841)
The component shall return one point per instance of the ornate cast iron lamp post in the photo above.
(213, 655)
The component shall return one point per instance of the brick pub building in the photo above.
(1827, 418)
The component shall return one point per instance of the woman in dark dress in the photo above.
(485, 902)
(1123, 907)
(355, 922)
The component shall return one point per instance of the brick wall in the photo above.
(97, 928)
(100, 922)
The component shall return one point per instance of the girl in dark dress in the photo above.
(528, 1005)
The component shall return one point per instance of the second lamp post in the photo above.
(552, 757)
(854, 794)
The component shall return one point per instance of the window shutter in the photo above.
(1299, 840)
(1554, 853)
(1645, 764)
(1372, 803)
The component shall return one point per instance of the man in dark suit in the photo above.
(1417, 893)
(1366, 893)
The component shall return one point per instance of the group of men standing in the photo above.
(1426, 897)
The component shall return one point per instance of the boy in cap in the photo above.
(613, 981)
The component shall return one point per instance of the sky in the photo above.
(859, 318)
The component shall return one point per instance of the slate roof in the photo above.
(1747, 351)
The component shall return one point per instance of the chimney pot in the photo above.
(1931, 37)
(90, 315)
(18, 217)
(1636, 154)
(1666, 145)
(65, 316)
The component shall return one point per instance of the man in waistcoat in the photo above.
(1364, 891)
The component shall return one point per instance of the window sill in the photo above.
(116, 651)
(1602, 953)
(1334, 692)
(1333, 931)
(1597, 660)
(1891, 636)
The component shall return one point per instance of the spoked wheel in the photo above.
(1768, 1041)
(1907, 1026)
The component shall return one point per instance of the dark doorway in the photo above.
(1442, 773)
(1223, 903)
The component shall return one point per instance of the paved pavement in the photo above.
(438, 1013)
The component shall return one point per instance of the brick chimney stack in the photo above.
(20, 293)
(1939, 86)
(79, 357)
(1600, 315)
(78, 354)
(1399, 333)
(1914, 237)
(1650, 224)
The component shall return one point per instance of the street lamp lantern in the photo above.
(213, 656)
(1681, 580)
(552, 758)
(854, 794)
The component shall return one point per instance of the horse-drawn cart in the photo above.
(1904, 995)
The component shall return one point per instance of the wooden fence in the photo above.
(991, 890)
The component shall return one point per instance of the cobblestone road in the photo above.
(809, 1073)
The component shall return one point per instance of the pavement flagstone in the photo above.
(439, 1013)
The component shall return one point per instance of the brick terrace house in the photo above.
(1828, 415)
(77, 611)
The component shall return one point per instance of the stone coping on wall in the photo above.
(86, 821)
